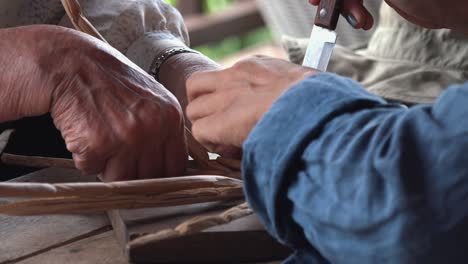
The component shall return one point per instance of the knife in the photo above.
(323, 37)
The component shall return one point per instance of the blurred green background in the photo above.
(230, 45)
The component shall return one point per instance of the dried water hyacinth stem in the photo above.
(63, 198)
(36, 162)
(79, 21)
(4, 138)
(130, 188)
(29, 161)
(71, 205)
(67, 198)
(195, 225)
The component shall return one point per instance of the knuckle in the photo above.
(77, 145)
(202, 132)
(144, 117)
(192, 84)
(147, 111)
(152, 118)
(128, 134)
(87, 167)
(257, 57)
(250, 61)
(240, 65)
(192, 81)
(197, 131)
(100, 142)
(191, 111)
(174, 115)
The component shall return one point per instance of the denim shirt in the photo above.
(342, 176)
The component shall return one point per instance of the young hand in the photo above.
(225, 105)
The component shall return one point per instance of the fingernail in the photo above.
(351, 20)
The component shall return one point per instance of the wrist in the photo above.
(300, 73)
(175, 71)
(160, 60)
(147, 48)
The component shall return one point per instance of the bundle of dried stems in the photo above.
(71, 198)
(122, 188)
(65, 198)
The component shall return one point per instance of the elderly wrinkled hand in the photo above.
(225, 105)
(115, 119)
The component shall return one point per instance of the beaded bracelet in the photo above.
(159, 61)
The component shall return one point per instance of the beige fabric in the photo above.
(134, 27)
(402, 62)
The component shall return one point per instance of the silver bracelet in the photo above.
(159, 61)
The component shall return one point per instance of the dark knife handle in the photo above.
(328, 13)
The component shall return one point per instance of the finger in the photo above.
(201, 83)
(151, 162)
(208, 131)
(89, 166)
(176, 156)
(355, 13)
(120, 167)
(90, 149)
(229, 152)
(314, 2)
(222, 131)
(369, 22)
(210, 103)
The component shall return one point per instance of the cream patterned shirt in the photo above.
(134, 27)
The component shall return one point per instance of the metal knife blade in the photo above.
(319, 51)
(323, 37)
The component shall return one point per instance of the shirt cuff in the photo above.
(272, 151)
(148, 47)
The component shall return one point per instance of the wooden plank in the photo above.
(38, 239)
(241, 241)
(242, 17)
(29, 236)
(102, 249)
(129, 224)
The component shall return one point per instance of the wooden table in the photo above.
(77, 239)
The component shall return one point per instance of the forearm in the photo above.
(39, 62)
(27, 64)
(177, 69)
(281, 138)
(360, 179)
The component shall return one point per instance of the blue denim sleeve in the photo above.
(342, 176)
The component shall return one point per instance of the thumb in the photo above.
(355, 13)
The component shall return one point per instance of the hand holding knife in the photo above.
(323, 37)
